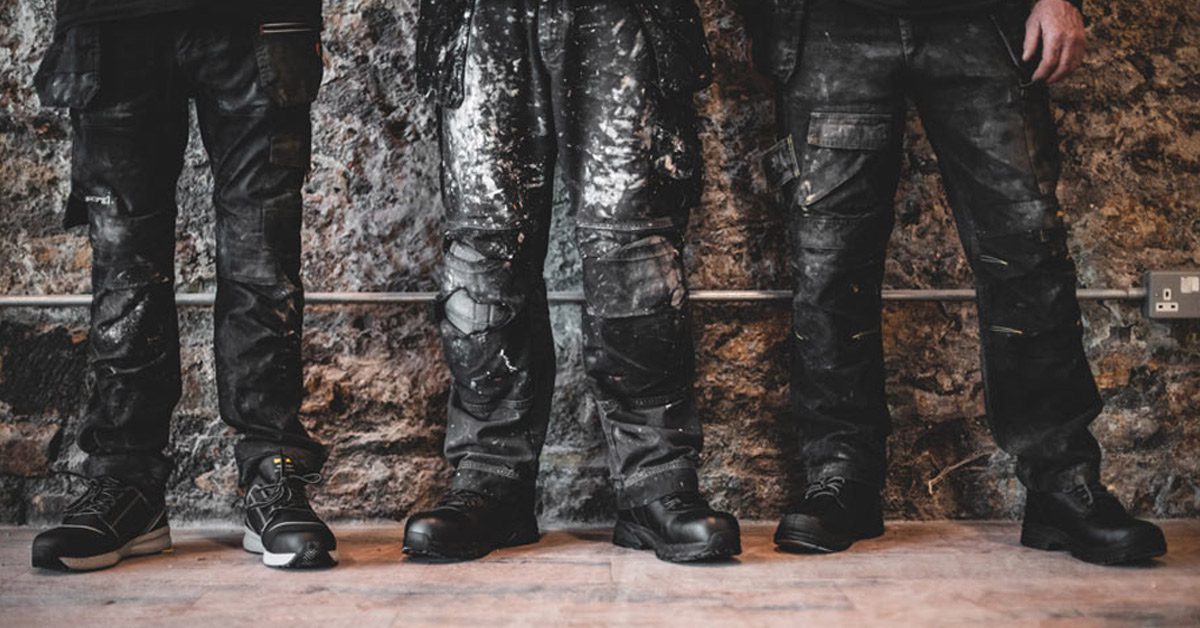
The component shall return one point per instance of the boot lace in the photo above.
(1095, 496)
(826, 487)
(286, 494)
(101, 495)
(677, 502)
(463, 499)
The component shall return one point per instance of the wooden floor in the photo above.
(941, 573)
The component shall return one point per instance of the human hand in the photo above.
(1056, 27)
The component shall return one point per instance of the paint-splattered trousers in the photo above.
(129, 85)
(842, 114)
(567, 87)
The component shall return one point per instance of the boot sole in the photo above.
(718, 546)
(423, 546)
(804, 542)
(153, 542)
(313, 556)
(1051, 539)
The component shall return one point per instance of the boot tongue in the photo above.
(274, 468)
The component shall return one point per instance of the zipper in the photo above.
(283, 28)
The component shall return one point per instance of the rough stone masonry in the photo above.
(377, 389)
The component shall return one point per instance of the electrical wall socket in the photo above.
(1173, 294)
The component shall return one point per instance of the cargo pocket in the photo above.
(840, 148)
(289, 62)
(69, 75)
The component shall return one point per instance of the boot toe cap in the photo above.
(295, 539)
(70, 543)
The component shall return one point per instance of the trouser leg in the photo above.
(498, 153)
(995, 141)
(127, 155)
(837, 167)
(631, 163)
(254, 92)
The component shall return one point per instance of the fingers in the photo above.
(1052, 47)
(1033, 34)
(1072, 57)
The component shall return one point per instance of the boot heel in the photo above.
(1043, 538)
(625, 535)
(151, 543)
(524, 533)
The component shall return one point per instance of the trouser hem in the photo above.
(650, 485)
(1084, 473)
(148, 472)
(250, 453)
(499, 483)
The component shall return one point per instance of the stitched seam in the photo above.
(468, 465)
(645, 475)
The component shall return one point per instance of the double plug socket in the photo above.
(1173, 294)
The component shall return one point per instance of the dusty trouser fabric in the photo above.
(129, 85)
(842, 113)
(568, 86)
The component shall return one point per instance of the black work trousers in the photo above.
(129, 85)
(567, 86)
(842, 115)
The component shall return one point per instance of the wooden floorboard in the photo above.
(932, 573)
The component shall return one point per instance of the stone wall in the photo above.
(1131, 123)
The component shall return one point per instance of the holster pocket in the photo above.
(676, 34)
(69, 75)
(290, 67)
(841, 146)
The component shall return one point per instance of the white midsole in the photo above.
(252, 542)
(149, 543)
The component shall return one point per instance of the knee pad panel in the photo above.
(639, 278)
(481, 288)
(261, 245)
(1029, 283)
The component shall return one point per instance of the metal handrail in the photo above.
(202, 299)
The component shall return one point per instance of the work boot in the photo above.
(280, 523)
(834, 514)
(467, 525)
(1091, 524)
(680, 527)
(111, 521)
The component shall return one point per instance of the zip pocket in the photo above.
(1024, 71)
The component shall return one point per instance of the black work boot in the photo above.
(834, 514)
(111, 521)
(680, 527)
(1091, 524)
(280, 523)
(467, 525)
